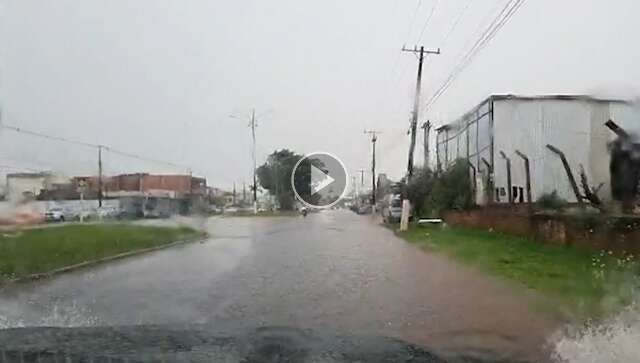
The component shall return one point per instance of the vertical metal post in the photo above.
(427, 128)
(491, 134)
(567, 169)
(473, 182)
(509, 191)
(490, 186)
(438, 165)
(527, 172)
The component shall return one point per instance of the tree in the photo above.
(275, 176)
(451, 189)
(419, 188)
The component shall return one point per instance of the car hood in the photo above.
(207, 344)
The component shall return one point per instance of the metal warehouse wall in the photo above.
(573, 124)
(528, 126)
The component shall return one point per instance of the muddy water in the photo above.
(332, 270)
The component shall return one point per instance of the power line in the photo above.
(485, 37)
(90, 145)
(413, 18)
(426, 22)
(394, 76)
(499, 21)
(142, 158)
(454, 25)
(45, 136)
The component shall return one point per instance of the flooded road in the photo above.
(334, 271)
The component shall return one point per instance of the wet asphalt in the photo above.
(332, 271)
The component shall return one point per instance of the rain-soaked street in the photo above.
(333, 270)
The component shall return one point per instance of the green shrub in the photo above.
(451, 189)
(551, 201)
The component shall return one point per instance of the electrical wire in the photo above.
(426, 22)
(45, 136)
(499, 21)
(455, 24)
(90, 145)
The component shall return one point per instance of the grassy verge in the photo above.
(587, 283)
(45, 249)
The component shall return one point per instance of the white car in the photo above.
(393, 211)
(107, 212)
(54, 215)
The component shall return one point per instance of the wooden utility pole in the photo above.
(374, 138)
(427, 128)
(361, 176)
(416, 102)
(406, 206)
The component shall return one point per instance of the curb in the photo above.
(43, 275)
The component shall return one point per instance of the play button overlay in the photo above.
(319, 180)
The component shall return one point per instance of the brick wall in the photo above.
(618, 234)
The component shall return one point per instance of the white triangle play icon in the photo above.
(319, 180)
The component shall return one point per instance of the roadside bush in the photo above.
(451, 190)
(551, 201)
(419, 188)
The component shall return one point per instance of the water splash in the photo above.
(55, 315)
(614, 340)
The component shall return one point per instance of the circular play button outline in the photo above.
(315, 172)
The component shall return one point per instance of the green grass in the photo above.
(562, 272)
(45, 249)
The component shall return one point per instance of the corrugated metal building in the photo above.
(506, 123)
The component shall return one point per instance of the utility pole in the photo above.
(255, 185)
(374, 138)
(99, 175)
(361, 176)
(355, 188)
(244, 191)
(234, 193)
(427, 128)
(253, 124)
(406, 206)
(416, 102)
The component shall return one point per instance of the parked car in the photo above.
(107, 212)
(54, 215)
(230, 210)
(365, 209)
(393, 209)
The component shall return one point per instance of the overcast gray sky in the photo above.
(159, 78)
